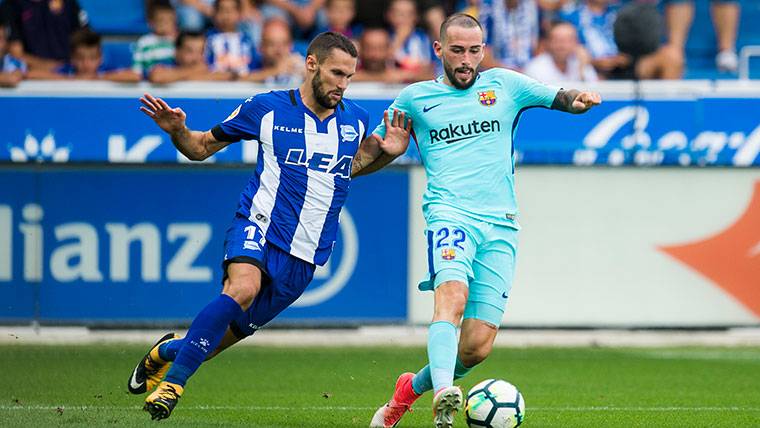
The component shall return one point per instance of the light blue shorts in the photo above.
(480, 254)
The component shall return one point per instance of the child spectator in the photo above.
(158, 46)
(86, 62)
(228, 48)
(189, 62)
(12, 69)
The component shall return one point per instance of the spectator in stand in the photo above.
(158, 46)
(279, 64)
(679, 15)
(375, 62)
(194, 15)
(189, 62)
(228, 48)
(595, 21)
(340, 14)
(252, 21)
(12, 69)
(86, 62)
(302, 15)
(433, 12)
(565, 60)
(40, 31)
(511, 32)
(411, 48)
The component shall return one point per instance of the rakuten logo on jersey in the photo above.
(459, 132)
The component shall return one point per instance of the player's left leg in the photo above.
(493, 268)
(451, 248)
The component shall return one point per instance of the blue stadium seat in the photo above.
(701, 45)
(110, 17)
(117, 54)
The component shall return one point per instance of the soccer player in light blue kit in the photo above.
(464, 123)
(311, 143)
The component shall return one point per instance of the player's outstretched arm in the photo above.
(376, 152)
(195, 145)
(575, 101)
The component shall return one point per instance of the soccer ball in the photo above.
(494, 403)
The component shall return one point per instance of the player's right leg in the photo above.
(205, 333)
(151, 368)
(451, 249)
(244, 265)
(450, 300)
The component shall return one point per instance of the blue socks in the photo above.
(204, 336)
(168, 350)
(422, 382)
(442, 353)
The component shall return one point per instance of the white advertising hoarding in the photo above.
(624, 247)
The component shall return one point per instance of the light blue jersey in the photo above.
(465, 138)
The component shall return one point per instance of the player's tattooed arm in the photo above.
(195, 145)
(375, 152)
(575, 101)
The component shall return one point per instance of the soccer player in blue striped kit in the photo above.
(464, 124)
(311, 142)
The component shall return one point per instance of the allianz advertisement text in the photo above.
(145, 245)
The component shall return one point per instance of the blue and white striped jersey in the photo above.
(303, 169)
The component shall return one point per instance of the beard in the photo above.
(451, 74)
(323, 98)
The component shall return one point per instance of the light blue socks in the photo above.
(442, 353)
(422, 382)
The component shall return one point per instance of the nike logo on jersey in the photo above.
(504, 294)
(427, 109)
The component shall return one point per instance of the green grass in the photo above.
(249, 386)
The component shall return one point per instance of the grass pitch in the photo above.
(251, 386)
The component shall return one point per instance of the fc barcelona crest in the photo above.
(448, 254)
(487, 98)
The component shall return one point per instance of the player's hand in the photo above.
(169, 119)
(586, 100)
(397, 132)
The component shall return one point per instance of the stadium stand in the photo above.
(116, 17)
(122, 21)
(700, 47)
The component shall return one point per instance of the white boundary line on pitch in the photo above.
(357, 408)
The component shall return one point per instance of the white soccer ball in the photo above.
(494, 403)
